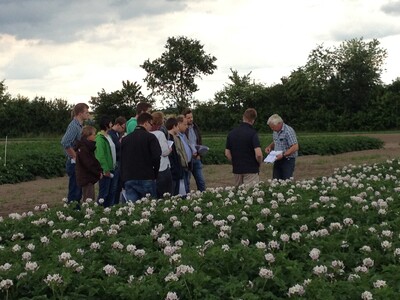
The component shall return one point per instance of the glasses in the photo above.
(151, 123)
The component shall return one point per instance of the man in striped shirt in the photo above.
(71, 136)
(285, 140)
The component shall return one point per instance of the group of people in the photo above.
(146, 155)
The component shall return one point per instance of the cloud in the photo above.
(391, 8)
(62, 21)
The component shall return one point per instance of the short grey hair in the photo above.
(275, 119)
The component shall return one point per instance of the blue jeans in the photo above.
(104, 190)
(283, 168)
(74, 191)
(197, 171)
(137, 189)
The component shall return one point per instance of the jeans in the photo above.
(164, 183)
(137, 189)
(74, 191)
(104, 190)
(116, 187)
(197, 171)
(283, 168)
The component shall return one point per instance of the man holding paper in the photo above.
(284, 140)
(244, 151)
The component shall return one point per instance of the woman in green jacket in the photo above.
(106, 155)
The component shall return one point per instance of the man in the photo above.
(140, 160)
(142, 107)
(285, 140)
(194, 137)
(116, 133)
(244, 151)
(71, 136)
(185, 152)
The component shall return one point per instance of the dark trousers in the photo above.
(164, 183)
(283, 168)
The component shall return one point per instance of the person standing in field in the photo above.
(243, 149)
(194, 137)
(107, 156)
(140, 160)
(116, 133)
(68, 141)
(164, 178)
(177, 162)
(285, 140)
(88, 169)
(142, 107)
(184, 151)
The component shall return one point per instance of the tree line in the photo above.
(338, 89)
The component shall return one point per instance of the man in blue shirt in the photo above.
(71, 136)
(285, 140)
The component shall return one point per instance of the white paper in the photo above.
(170, 143)
(272, 156)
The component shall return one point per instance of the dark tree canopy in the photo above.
(173, 75)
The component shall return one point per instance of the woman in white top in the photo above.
(164, 178)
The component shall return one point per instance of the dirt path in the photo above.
(25, 196)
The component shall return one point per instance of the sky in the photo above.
(74, 49)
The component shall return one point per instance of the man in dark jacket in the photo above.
(140, 160)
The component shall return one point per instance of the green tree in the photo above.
(172, 76)
(118, 103)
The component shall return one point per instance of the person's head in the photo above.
(158, 118)
(120, 125)
(81, 111)
(142, 107)
(275, 122)
(145, 120)
(172, 126)
(105, 123)
(250, 116)
(188, 114)
(89, 133)
(182, 123)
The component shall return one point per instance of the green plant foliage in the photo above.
(329, 238)
(27, 160)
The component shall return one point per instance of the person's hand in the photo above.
(101, 175)
(268, 149)
(279, 156)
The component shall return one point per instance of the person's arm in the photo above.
(258, 154)
(270, 148)
(100, 153)
(291, 150)
(228, 154)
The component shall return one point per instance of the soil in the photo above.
(23, 197)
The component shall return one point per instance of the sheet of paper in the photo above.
(170, 143)
(272, 156)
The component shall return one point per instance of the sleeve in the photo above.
(69, 137)
(164, 145)
(291, 137)
(155, 151)
(256, 141)
(101, 153)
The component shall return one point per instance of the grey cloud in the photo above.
(61, 21)
(391, 8)
(372, 30)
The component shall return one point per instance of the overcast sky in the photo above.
(72, 49)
